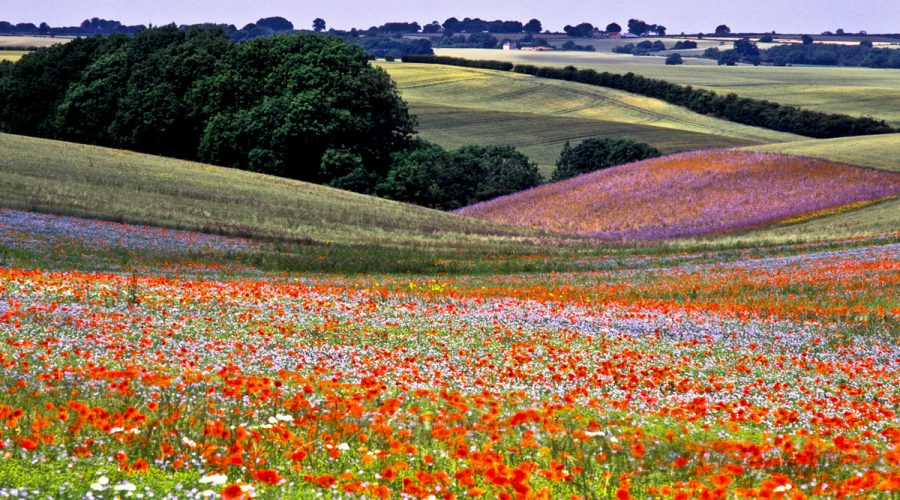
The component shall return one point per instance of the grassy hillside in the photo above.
(59, 177)
(692, 194)
(852, 91)
(463, 105)
(877, 151)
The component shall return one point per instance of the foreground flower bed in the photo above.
(610, 383)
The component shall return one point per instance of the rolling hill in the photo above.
(852, 91)
(66, 178)
(692, 194)
(459, 106)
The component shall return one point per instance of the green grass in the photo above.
(877, 151)
(852, 91)
(459, 106)
(59, 177)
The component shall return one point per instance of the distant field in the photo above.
(853, 91)
(17, 42)
(463, 106)
(59, 177)
(12, 55)
(878, 151)
(541, 138)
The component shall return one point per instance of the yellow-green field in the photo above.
(12, 55)
(853, 91)
(459, 106)
(12, 41)
(60, 177)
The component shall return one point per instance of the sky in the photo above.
(690, 16)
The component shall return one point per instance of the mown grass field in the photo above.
(852, 91)
(471, 106)
(58, 177)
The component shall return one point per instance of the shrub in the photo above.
(673, 59)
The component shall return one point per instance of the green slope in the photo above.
(60, 177)
(465, 106)
(853, 91)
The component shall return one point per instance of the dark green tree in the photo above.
(596, 154)
(505, 170)
(674, 59)
(728, 58)
(318, 25)
(613, 28)
(430, 176)
(533, 26)
(723, 29)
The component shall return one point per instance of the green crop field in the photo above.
(459, 106)
(853, 91)
(60, 177)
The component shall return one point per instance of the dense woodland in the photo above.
(730, 107)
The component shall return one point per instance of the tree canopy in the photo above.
(595, 154)
(308, 107)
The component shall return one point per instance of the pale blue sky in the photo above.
(811, 16)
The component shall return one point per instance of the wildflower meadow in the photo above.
(749, 374)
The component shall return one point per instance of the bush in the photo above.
(596, 154)
(674, 59)
(766, 39)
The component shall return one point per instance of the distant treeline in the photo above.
(832, 54)
(88, 27)
(730, 107)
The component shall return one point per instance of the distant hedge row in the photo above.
(730, 107)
